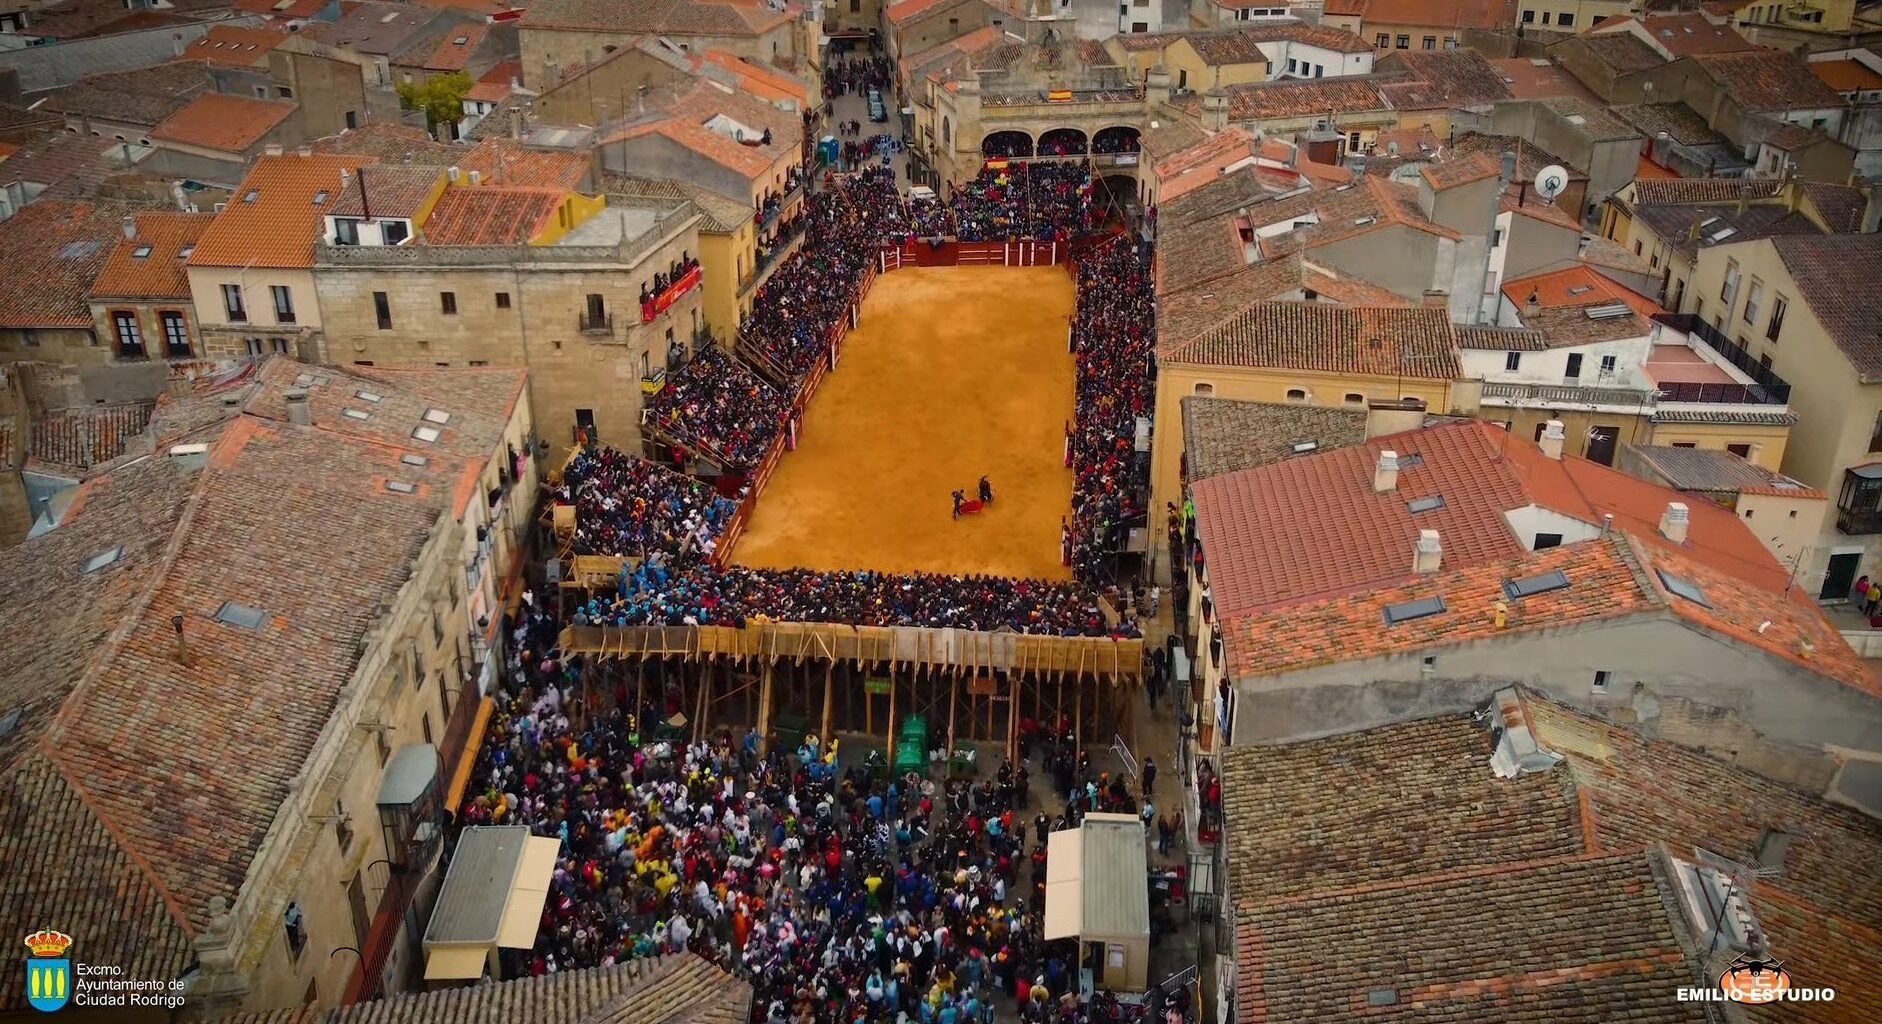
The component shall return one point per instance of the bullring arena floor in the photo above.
(953, 372)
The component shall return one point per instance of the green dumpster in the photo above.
(911, 745)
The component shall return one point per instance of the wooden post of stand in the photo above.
(705, 701)
(888, 730)
(1012, 718)
(640, 695)
(1078, 722)
(829, 689)
(764, 711)
(954, 699)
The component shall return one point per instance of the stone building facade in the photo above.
(571, 313)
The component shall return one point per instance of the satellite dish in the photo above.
(1550, 181)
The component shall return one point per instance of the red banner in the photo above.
(659, 303)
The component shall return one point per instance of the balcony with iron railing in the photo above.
(595, 323)
(1764, 387)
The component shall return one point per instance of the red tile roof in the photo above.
(1313, 527)
(158, 273)
(271, 219)
(503, 161)
(1415, 342)
(235, 46)
(455, 47)
(82, 438)
(1764, 81)
(489, 215)
(496, 84)
(223, 121)
(50, 252)
(1683, 34)
(1846, 75)
(1575, 286)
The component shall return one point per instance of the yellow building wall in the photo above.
(569, 213)
(726, 260)
(1189, 71)
(1371, 30)
(1767, 442)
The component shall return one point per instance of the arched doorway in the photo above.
(1006, 144)
(1062, 142)
(1116, 139)
(1112, 197)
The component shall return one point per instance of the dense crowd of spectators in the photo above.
(1037, 201)
(716, 406)
(1112, 336)
(628, 507)
(857, 73)
(1006, 146)
(1115, 140)
(928, 217)
(660, 592)
(843, 895)
(798, 307)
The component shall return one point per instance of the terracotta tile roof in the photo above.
(1300, 98)
(1678, 120)
(1564, 941)
(501, 160)
(1683, 34)
(1768, 80)
(1399, 838)
(1846, 75)
(1839, 207)
(1500, 339)
(295, 8)
(1416, 342)
(278, 227)
(223, 121)
(59, 246)
(1429, 805)
(144, 96)
(1592, 121)
(1449, 174)
(396, 191)
(234, 45)
(1223, 435)
(140, 723)
(1708, 469)
(495, 85)
(158, 273)
(767, 83)
(738, 18)
(1684, 191)
(478, 401)
(1829, 269)
(684, 115)
(1642, 790)
(455, 47)
(86, 20)
(1254, 523)
(1621, 53)
(901, 12)
(379, 29)
(1576, 286)
(1232, 46)
(391, 144)
(1454, 78)
(675, 989)
(1725, 224)
(196, 412)
(1529, 80)
(1449, 14)
(87, 436)
(489, 215)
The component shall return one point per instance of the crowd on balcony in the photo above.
(663, 279)
(1115, 140)
(928, 217)
(798, 307)
(661, 593)
(838, 893)
(628, 507)
(780, 237)
(773, 202)
(717, 407)
(1030, 201)
(1065, 143)
(1112, 338)
(1006, 145)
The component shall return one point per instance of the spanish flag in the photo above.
(1059, 96)
(996, 165)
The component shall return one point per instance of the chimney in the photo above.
(451, 174)
(1427, 553)
(516, 123)
(130, 226)
(1157, 87)
(476, 178)
(1215, 110)
(1532, 306)
(298, 412)
(1552, 437)
(1673, 522)
(304, 151)
(271, 149)
(1385, 476)
(1390, 416)
(182, 646)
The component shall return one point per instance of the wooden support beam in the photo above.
(829, 687)
(954, 697)
(888, 730)
(764, 711)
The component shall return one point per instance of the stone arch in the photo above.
(1119, 138)
(1063, 142)
(1007, 143)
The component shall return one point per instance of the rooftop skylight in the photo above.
(1532, 585)
(425, 434)
(437, 416)
(401, 487)
(414, 460)
(104, 558)
(1680, 586)
(355, 414)
(245, 616)
(1405, 611)
(1417, 505)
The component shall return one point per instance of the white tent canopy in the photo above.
(1096, 880)
(492, 897)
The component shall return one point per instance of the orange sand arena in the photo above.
(952, 373)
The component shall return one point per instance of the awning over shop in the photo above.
(1097, 880)
(492, 897)
(473, 742)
